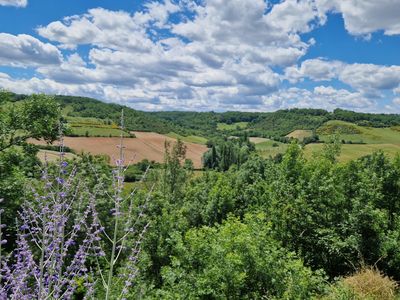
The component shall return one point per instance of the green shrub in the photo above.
(236, 260)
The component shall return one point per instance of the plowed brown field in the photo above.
(146, 145)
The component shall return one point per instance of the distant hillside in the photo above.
(283, 122)
(134, 119)
(270, 124)
(196, 123)
(367, 119)
(210, 124)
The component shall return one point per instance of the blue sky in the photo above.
(250, 55)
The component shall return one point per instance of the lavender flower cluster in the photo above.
(59, 232)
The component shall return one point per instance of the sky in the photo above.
(203, 55)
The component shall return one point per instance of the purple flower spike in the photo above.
(24, 227)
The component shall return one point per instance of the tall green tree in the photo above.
(174, 175)
(38, 116)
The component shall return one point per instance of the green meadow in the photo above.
(354, 151)
(233, 126)
(367, 135)
(97, 131)
(271, 148)
(189, 139)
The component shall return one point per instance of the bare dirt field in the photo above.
(146, 145)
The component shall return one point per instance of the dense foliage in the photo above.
(135, 120)
(38, 116)
(236, 260)
(335, 217)
(282, 122)
(198, 123)
(367, 119)
(225, 153)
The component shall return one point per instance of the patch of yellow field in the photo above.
(299, 134)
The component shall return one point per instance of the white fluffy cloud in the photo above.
(362, 17)
(325, 97)
(102, 28)
(24, 50)
(315, 69)
(17, 3)
(36, 85)
(296, 16)
(241, 30)
(369, 79)
(220, 55)
(396, 101)
(225, 52)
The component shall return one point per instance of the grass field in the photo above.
(97, 131)
(81, 126)
(338, 127)
(52, 156)
(299, 134)
(368, 135)
(258, 140)
(354, 151)
(73, 121)
(270, 148)
(348, 151)
(366, 140)
(190, 139)
(233, 126)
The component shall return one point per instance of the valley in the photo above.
(93, 127)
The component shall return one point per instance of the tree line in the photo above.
(264, 124)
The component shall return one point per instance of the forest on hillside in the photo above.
(205, 124)
(246, 227)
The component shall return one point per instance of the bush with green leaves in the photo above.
(225, 153)
(236, 260)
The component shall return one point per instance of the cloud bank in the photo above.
(189, 55)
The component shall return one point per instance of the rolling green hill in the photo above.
(350, 132)
(350, 152)
(134, 119)
(94, 117)
(282, 122)
(203, 124)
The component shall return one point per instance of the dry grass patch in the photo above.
(367, 284)
(258, 140)
(371, 284)
(300, 134)
(52, 156)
